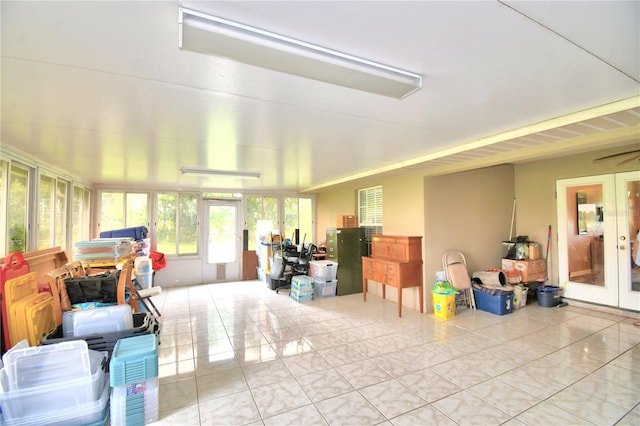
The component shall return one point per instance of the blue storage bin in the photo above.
(499, 304)
(134, 359)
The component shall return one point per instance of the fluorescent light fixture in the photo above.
(222, 173)
(203, 33)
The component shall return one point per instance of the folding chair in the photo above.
(455, 269)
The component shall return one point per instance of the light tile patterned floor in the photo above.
(238, 353)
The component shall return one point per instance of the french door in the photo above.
(223, 244)
(598, 231)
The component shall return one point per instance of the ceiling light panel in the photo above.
(211, 35)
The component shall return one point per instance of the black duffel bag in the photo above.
(93, 288)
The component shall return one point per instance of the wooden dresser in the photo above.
(395, 261)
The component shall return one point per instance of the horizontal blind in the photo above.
(370, 210)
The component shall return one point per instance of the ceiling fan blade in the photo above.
(616, 155)
(628, 160)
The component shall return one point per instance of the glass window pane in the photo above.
(188, 224)
(46, 192)
(260, 208)
(18, 208)
(4, 179)
(112, 211)
(60, 215)
(305, 220)
(585, 235)
(86, 219)
(137, 210)
(253, 214)
(76, 214)
(222, 234)
(166, 224)
(370, 210)
(81, 214)
(291, 220)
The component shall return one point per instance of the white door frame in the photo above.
(617, 276)
(628, 299)
(232, 270)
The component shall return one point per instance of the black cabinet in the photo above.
(347, 246)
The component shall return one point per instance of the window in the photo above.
(123, 210)
(16, 205)
(260, 208)
(111, 211)
(52, 212)
(59, 208)
(298, 215)
(177, 223)
(81, 214)
(370, 210)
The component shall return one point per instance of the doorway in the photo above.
(223, 244)
(598, 232)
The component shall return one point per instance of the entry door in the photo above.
(597, 221)
(628, 209)
(223, 243)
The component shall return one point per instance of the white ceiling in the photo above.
(101, 90)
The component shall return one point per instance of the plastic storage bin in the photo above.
(134, 380)
(135, 404)
(41, 365)
(90, 413)
(99, 320)
(143, 323)
(323, 270)
(325, 288)
(496, 304)
(134, 359)
(444, 305)
(57, 395)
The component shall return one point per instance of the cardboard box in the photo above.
(531, 270)
(347, 221)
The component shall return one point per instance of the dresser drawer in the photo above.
(390, 279)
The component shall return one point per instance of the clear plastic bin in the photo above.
(63, 398)
(323, 270)
(325, 288)
(102, 319)
(41, 365)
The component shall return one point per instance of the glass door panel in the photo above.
(628, 216)
(223, 245)
(587, 265)
(599, 239)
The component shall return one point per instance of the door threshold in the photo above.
(602, 308)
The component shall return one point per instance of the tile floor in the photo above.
(238, 353)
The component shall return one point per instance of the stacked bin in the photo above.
(324, 273)
(133, 372)
(301, 288)
(62, 384)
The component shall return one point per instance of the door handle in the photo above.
(622, 247)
